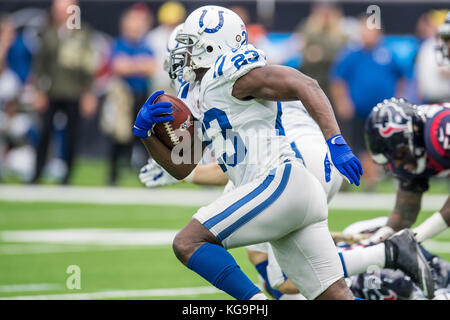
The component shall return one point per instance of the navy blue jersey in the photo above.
(437, 140)
(437, 143)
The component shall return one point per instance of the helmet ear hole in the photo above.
(209, 49)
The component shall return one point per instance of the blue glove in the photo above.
(344, 160)
(149, 115)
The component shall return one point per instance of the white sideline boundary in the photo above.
(120, 294)
(179, 197)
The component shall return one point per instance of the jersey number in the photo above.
(247, 57)
(239, 152)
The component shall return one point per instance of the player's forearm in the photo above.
(163, 155)
(407, 207)
(445, 211)
(319, 107)
(209, 174)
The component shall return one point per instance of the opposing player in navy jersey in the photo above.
(413, 142)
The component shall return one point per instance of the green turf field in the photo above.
(35, 250)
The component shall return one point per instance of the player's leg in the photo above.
(266, 209)
(198, 245)
(258, 256)
(197, 248)
(301, 211)
(277, 279)
(317, 258)
(401, 251)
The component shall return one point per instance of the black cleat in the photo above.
(403, 252)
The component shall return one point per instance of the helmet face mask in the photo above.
(181, 56)
(207, 33)
(443, 47)
(172, 62)
(392, 136)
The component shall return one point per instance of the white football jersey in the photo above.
(246, 137)
(297, 121)
(189, 94)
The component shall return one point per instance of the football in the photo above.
(171, 133)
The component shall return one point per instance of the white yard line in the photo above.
(93, 236)
(19, 242)
(120, 294)
(25, 249)
(178, 197)
(30, 287)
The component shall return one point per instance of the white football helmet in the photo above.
(207, 33)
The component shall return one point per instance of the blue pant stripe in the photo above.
(297, 152)
(261, 207)
(343, 264)
(238, 204)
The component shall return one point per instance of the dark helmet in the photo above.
(393, 132)
(382, 284)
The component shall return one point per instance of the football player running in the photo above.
(275, 198)
(303, 134)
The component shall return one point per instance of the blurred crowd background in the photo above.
(67, 94)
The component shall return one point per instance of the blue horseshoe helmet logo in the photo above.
(212, 30)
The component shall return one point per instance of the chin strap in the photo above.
(420, 164)
(189, 74)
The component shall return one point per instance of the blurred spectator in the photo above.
(133, 62)
(9, 80)
(15, 153)
(363, 75)
(63, 71)
(20, 57)
(170, 14)
(433, 78)
(321, 36)
(256, 32)
(278, 50)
